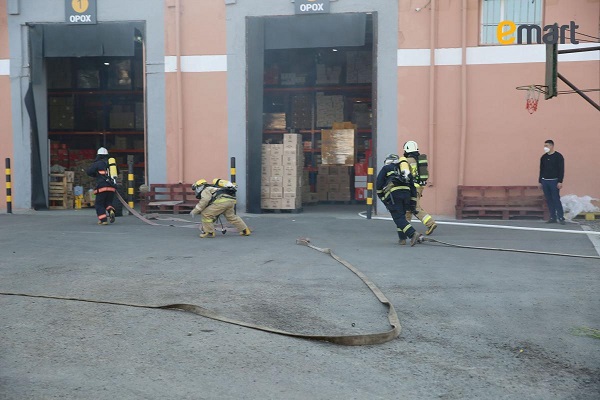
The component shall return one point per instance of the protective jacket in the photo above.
(213, 195)
(395, 181)
(99, 170)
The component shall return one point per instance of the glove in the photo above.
(413, 206)
(194, 211)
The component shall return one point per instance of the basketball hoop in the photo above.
(532, 96)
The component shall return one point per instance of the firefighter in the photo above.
(105, 187)
(217, 199)
(418, 168)
(396, 189)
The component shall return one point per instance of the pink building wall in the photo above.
(203, 94)
(503, 141)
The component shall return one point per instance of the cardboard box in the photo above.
(333, 179)
(271, 204)
(322, 186)
(333, 187)
(291, 139)
(265, 192)
(265, 169)
(274, 121)
(276, 149)
(323, 170)
(276, 180)
(276, 159)
(344, 180)
(290, 192)
(291, 181)
(291, 203)
(322, 196)
(276, 192)
(338, 146)
(276, 170)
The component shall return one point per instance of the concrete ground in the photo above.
(475, 324)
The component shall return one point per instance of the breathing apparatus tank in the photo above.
(112, 169)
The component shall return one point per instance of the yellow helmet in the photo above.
(198, 187)
(198, 183)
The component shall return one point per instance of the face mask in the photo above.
(546, 149)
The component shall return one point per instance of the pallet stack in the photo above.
(281, 178)
(61, 191)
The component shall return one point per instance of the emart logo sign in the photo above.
(552, 33)
(312, 6)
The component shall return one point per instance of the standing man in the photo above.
(418, 169)
(105, 187)
(552, 171)
(396, 189)
(217, 199)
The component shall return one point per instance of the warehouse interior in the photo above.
(318, 109)
(94, 97)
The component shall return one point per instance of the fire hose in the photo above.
(430, 239)
(346, 340)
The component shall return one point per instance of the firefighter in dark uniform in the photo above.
(105, 187)
(396, 189)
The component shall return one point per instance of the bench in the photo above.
(172, 198)
(500, 202)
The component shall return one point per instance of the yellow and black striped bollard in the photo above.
(232, 180)
(8, 188)
(370, 188)
(130, 181)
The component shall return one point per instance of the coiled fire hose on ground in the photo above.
(346, 340)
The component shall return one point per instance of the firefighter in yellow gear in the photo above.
(418, 166)
(215, 200)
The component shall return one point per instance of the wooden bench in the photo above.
(500, 202)
(172, 198)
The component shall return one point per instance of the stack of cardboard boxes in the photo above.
(329, 109)
(281, 178)
(359, 67)
(333, 183)
(328, 74)
(302, 112)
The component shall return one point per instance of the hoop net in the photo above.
(532, 97)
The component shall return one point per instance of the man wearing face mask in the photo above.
(552, 171)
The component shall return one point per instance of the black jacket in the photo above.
(407, 190)
(99, 170)
(552, 166)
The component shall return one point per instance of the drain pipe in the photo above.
(463, 97)
(179, 92)
(432, 83)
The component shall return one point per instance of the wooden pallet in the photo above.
(172, 198)
(588, 216)
(60, 191)
(500, 202)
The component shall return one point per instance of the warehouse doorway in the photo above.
(91, 94)
(313, 131)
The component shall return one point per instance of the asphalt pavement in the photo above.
(476, 324)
